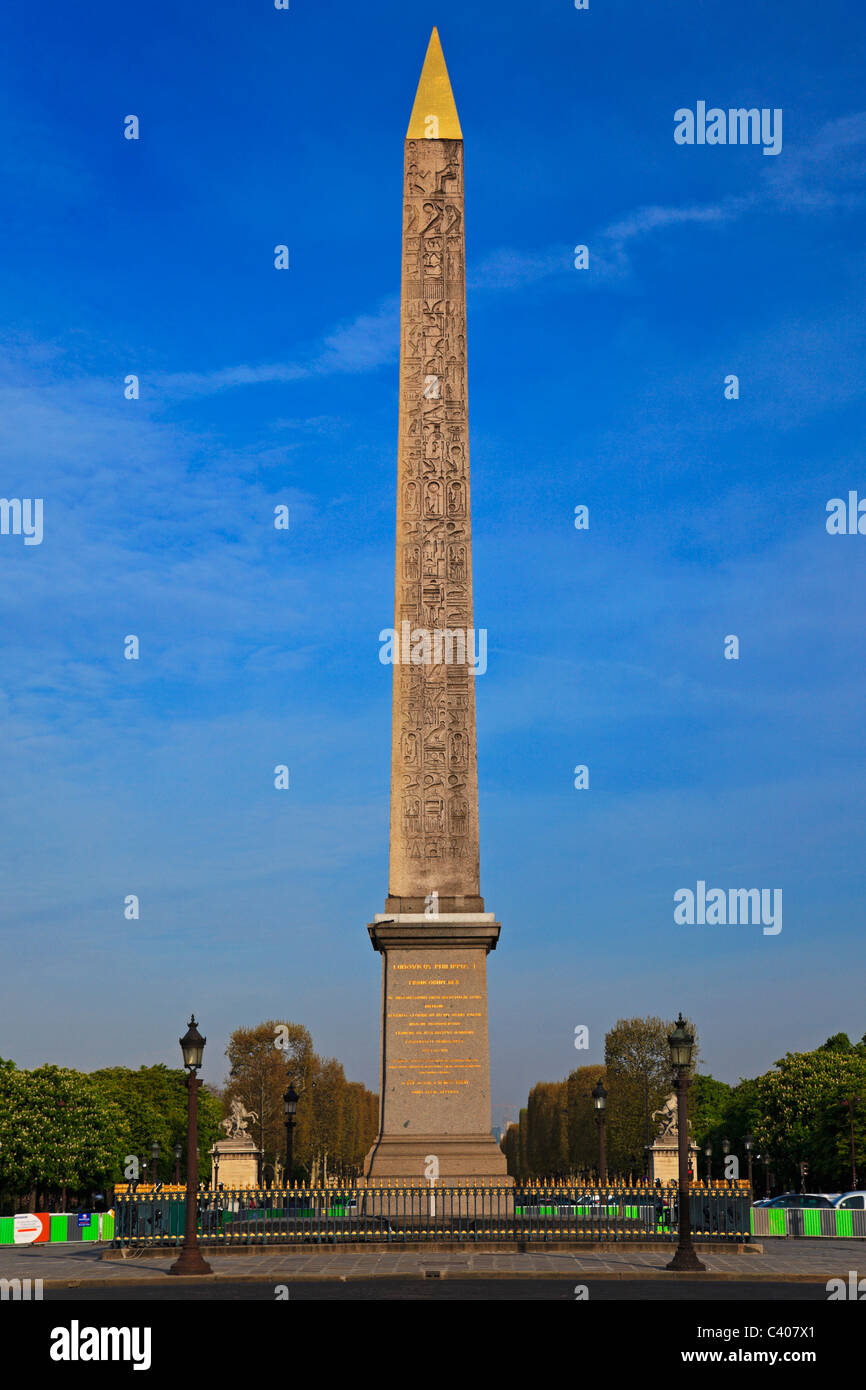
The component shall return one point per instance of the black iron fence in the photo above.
(335, 1216)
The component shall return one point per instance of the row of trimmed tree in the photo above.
(810, 1107)
(336, 1120)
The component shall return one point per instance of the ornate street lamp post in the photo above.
(178, 1150)
(154, 1153)
(748, 1145)
(190, 1259)
(708, 1154)
(682, 1045)
(599, 1099)
(290, 1108)
(850, 1104)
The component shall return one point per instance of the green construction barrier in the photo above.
(778, 1226)
(63, 1228)
(59, 1226)
(811, 1221)
(844, 1223)
(91, 1231)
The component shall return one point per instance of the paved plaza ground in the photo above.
(806, 1261)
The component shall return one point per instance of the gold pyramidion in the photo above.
(434, 115)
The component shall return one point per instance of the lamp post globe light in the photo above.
(190, 1260)
(682, 1045)
(850, 1104)
(290, 1109)
(599, 1100)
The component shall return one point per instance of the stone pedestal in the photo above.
(435, 1072)
(665, 1161)
(235, 1163)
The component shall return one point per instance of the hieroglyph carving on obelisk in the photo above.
(434, 779)
(434, 936)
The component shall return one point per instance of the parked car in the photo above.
(849, 1201)
(799, 1200)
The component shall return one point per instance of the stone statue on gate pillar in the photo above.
(235, 1160)
(664, 1151)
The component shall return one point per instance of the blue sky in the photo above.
(602, 387)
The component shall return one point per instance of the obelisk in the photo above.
(434, 935)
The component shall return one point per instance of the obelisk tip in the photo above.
(434, 115)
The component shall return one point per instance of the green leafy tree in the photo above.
(709, 1105)
(803, 1116)
(638, 1070)
(840, 1042)
(556, 1136)
(56, 1132)
(547, 1132)
(582, 1127)
(510, 1146)
(522, 1145)
(262, 1062)
(336, 1119)
(154, 1104)
(723, 1112)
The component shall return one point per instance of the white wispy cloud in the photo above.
(365, 343)
(508, 269)
(824, 174)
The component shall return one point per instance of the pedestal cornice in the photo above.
(410, 930)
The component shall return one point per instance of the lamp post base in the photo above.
(686, 1259)
(190, 1262)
